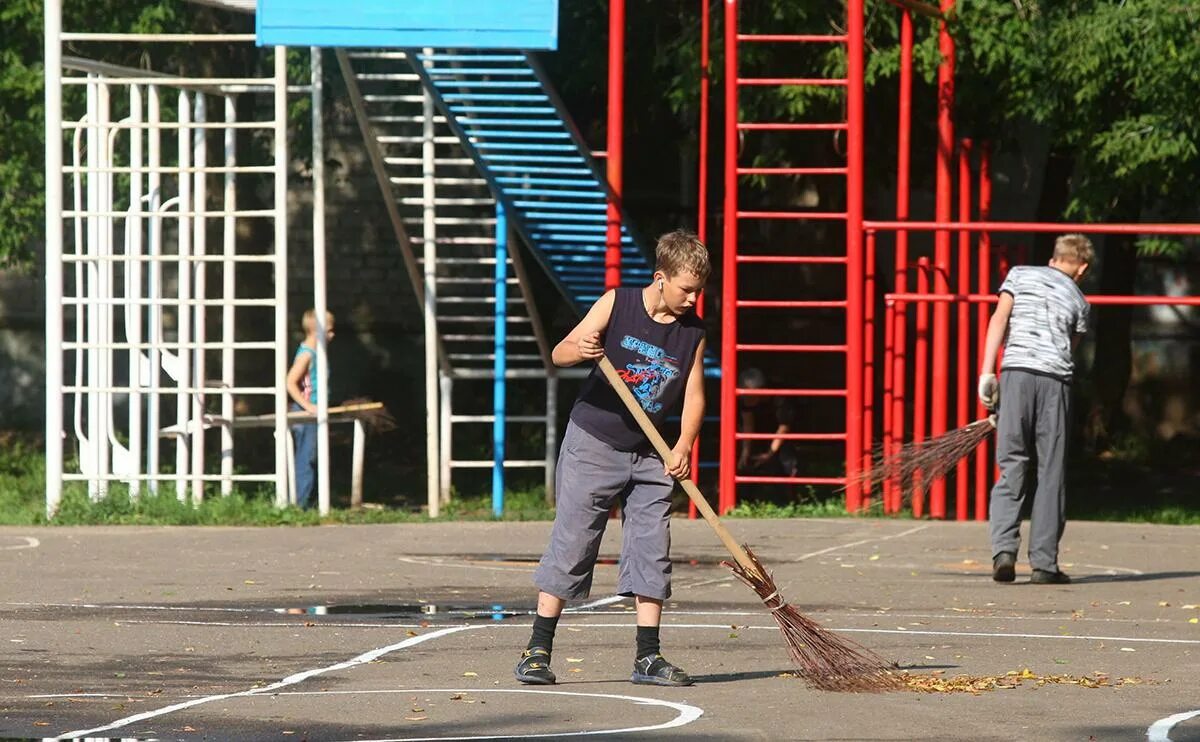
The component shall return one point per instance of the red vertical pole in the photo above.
(868, 366)
(920, 382)
(903, 169)
(982, 315)
(889, 338)
(941, 260)
(727, 497)
(963, 322)
(701, 194)
(1002, 268)
(615, 152)
(854, 247)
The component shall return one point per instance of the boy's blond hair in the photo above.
(309, 321)
(1074, 248)
(681, 251)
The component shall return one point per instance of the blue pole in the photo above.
(500, 363)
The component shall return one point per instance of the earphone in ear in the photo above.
(660, 288)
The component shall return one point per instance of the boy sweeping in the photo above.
(1043, 313)
(656, 342)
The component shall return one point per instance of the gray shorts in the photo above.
(592, 477)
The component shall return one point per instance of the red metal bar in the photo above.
(785, 348)
(792, 480)
(981, 318)
(920, 382)
(903, 169)
(813, 259)
(791, 436)
(767, 126)
(941, 248)
(1119, 300)
(791, 215)
(855, 107)
(868, 364)
(790, 37)
(791, 304)
(794, 81)
(727, 492)
(791, 171)
(791, 392)
(963, 326)
(701, 191)
(615, 160)
(889, 337)
(1036, 227)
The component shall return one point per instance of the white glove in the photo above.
(989, 391)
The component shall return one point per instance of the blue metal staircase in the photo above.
(520, 136)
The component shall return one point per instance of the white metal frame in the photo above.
(122, 261)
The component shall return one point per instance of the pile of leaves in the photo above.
(936, 682)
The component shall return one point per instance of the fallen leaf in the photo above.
(1163, 604)
(456, 697)
(1194, 620)
(1124, 602)
(1128, 649)
(469, 674)
(575, 669)
(574, 659)
(1190, 607)
(873, 558)
(41, 723)
(415, 718)
(248, 582)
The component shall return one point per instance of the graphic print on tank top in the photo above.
(648, 378)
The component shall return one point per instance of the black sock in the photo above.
(647, 641)
(543, 633)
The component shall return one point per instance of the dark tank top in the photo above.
(653, 358)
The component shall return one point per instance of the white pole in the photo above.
(133, 273)
(446, 439)
(200, 291)
(104, 188)
(281, 334)
(183, 312)
(356, 464)
(54, 246)
(154, 364)
(89, 456)
(319, 306)
(228, 292)
(429, 233)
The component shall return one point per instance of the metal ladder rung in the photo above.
(475, 281)
(396, 139)
(460, 261)
(378, 55)
(488, 318)
(376, 98)
(508, 464)
(489, 338)
(492, 418)
(492, 357)
(418, 180)
(474, 300)
(451, 220)
(417, 201)
(458, 161)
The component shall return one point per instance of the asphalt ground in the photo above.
(406, 632)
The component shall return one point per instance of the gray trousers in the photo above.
(591, 477)
(1031, 451)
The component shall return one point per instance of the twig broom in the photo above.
(917, 465)
(825, 660)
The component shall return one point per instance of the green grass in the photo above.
(1107, 490)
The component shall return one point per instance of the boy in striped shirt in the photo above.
(1039, 316)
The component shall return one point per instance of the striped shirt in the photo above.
(1048, 310)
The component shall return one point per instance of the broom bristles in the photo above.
(917, 465)
(823, 659)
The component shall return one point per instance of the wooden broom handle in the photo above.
(660, 445)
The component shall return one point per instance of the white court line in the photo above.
(461, 563)
(1159, 730)
(687, 713)
(828, 549)
(30, 543)
(1007, 635)
(289, 680)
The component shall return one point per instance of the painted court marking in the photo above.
(686, 713)
(1159, 730)
(29, 543)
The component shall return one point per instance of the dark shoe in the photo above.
(1045, 577)
(653, 669)
(1004, 567)
(534, 667)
